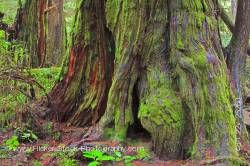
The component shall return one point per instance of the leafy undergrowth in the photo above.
(9, 7)
(16, 93)
(59, 149)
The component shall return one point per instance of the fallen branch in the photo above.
(13, 75)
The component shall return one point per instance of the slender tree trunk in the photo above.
(236, 60)
(27, 27)
(55, 34)
(40, 24)
(170, 75)
(41, 49)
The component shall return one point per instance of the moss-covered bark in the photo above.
(168, 60)
(27, 27)
(80, 98)
(185, 98)
(199, 76)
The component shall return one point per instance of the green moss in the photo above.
(112, 12)
(202, 86)
(160, 109)
(179, 43)
(199, 18)
(193, 4)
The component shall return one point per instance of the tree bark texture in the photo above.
(40, 25)
(80, 98)
(234, 4)
(169, 72)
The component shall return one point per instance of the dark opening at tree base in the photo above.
(136, 130)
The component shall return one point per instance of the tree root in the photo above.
(223, 159)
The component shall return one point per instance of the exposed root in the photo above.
(223, 159)
(92, 134)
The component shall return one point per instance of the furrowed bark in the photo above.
(41, 32)
(27, 27)
(168, 62)
(80, 98)
(55, 35)
(199, 78)
(129, 35)
(183, 88)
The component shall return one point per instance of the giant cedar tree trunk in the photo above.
(169, 71)
(80, 98)
(40, 25)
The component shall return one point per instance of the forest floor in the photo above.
(54, 149)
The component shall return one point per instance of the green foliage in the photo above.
(9, 8)
(49, 130)
(12, 143)
(37, 163)
(69, 10)
(11, 56)
(65, 156)
(25, 135)
(225, 34)
(129, 159)
(7, 114)
(46, 77)
(67, 162)
(143, 154)
(13, 98)
(224, 31)
(14, 57)
(28, 151)
(48, 127)
(98, 157)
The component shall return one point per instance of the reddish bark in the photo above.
(80, 98)
(40, 25)
(41, 32)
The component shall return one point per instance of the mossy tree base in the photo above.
(80, 97)
(168, 62)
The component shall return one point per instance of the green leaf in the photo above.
(118, 154)
(12, 143)
(94, 163)
(128, 160)
(106, 158)
(89, 155)
(97, 153)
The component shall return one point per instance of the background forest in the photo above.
(35, 70)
